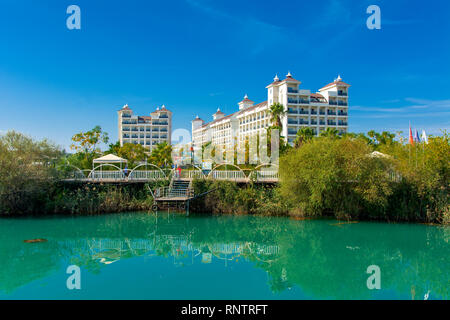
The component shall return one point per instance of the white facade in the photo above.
(328, 108)
(147, 131)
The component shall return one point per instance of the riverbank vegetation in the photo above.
(353, 176)
(30, 173)
(358, 178)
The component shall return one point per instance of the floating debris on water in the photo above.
(341, 223)
(35, 240)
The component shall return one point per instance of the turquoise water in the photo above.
(148, 256)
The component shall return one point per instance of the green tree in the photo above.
(424, 169)
(335, 176)
(113, 148)
(304, 135)
(276, 111)
(330, 133)
(26, 172)
(162, 155)
(88, 142)
(383, 138)
(134, 153)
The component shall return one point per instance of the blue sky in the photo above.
(197, 55)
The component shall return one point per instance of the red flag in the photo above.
(411, 139)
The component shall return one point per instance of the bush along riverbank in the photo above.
(91, 199)
(82, 199)
(226, 197)
(342, 177)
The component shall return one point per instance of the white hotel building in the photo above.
(147, 131)
(326, 108)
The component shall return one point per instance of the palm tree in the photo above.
(276, 112)
(382, 138)
(162, 154)
(330, 132)
(303, 135)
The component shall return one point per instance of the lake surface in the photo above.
(166, 256)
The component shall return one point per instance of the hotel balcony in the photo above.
(163, 116)
(331, 123)
(292, 111)
(342, 93)
(292, 131)
(322, 123)
(134, 136)
(341, 113)
(342, 123)
(292, 90)
(342, 103)
(313, 112)
(126, 115)
(126, 136)
(313, 122)
(293, 101)
(333, 103)
(303, 112)
(331, 113)
(292, 121)
(301, 121)
(322, 113)
(303, 101)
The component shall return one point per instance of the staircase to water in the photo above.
(179, 188)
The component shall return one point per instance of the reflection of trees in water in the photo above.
(324, 260)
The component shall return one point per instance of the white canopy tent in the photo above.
(377, 154)
(109, 158)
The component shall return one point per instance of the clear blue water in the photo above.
(148, 256)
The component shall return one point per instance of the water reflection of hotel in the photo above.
(108, 251)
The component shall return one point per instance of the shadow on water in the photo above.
(320, 258)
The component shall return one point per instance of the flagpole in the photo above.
(410, 146)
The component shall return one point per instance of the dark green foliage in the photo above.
(230, 198)
(87, 199)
